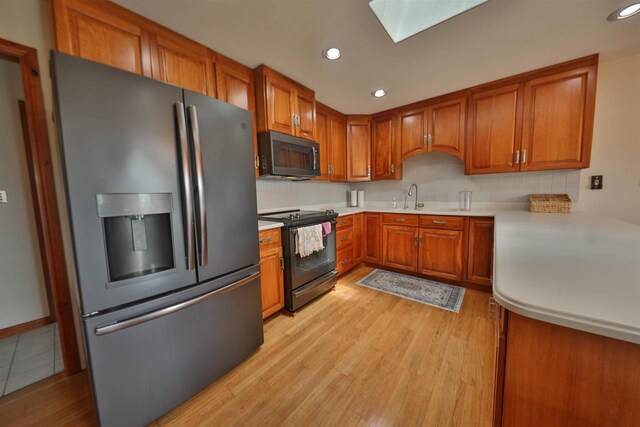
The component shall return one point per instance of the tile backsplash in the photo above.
(275, 194)
(440, 177)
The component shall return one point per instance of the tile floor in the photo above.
(29, 357)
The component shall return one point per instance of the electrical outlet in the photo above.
(596, 182)
(3, 196)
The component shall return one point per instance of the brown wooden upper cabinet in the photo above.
(383, 147)
(358, 148)
(495, 130)
(102, 33)
(438, 125)
(183, 63)
(235, 85)
(283, 105)
(558, 120)
(331, 135)
(542, 120)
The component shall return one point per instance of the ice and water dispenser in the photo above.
(138, 235)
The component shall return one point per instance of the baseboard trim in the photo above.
(24, 327)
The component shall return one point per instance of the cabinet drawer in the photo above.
(344, 222)
(400, 219)
(344, 237)
(442, 221)
(269, 239)
(344, 259)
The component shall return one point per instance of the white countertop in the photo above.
(268, 225)
(576, 270)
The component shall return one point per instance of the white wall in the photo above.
(23, 296)
(440, 177)
(28, 22)
(616, 142)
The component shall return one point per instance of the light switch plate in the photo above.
(3, 196)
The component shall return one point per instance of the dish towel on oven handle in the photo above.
(309, 240)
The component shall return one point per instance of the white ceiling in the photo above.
(494, 40)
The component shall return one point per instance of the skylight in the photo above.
(405, 18)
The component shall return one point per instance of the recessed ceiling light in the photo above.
(331, 53)
(379, 93)
(625, 12)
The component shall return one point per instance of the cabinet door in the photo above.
(447, 122)
(358, 148)
(441, 253)
(306, 111)
(383, 151)
(400, 247)
(412, 133)
(235, 85)
(322, 138)
(558, 114)
(494, 130)
(357, 238)
(372, 234)
(183, 63)
(338, 141)
(280, 104)
(92, 32)
(272, 281)
(480, 254)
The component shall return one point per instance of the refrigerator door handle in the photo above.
(187, 186)
(195, 135)
(104, 330)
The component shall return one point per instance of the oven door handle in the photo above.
(118, 326)
(305, 289)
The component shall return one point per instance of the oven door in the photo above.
(288, 156)
(304, 270)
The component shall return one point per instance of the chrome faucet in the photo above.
(409, 194)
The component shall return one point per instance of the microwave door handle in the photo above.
(315, 158)
(197, 150)
(186, 187)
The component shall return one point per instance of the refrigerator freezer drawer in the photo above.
(146, 362)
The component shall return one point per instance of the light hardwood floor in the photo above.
(353, 357)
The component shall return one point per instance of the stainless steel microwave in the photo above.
(288, 157)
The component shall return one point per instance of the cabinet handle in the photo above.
(429, 140)
(256, 162)
(517, 157)
(399, 219)
(524, 156)
(424, 140)
(266, 240)
(293, 120)
(342, 239)
(415, 240)
(369, 171)
(282, 263)
(439, 222)
(344, 222)
(393, 168)
(420, 240)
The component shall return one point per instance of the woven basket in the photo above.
(549, 203)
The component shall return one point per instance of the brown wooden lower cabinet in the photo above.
(440, 253)
(400, 247)
(348, 242)
(557, 376)
(271, 272)
(372, 237)
(480, 257)
(435, 246)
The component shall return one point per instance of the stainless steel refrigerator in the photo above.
(162, 202)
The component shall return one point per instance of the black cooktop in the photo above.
(295, 217)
